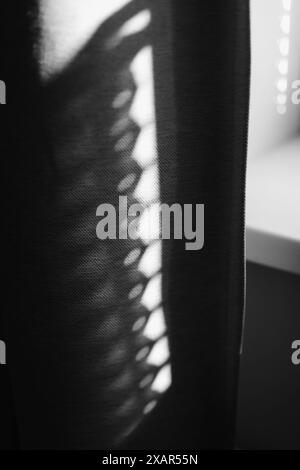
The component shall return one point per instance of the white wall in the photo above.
(268, 128)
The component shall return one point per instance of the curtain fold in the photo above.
(74, 377)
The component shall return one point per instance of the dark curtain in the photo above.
(65, 311)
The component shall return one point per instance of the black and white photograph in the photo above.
(151, 219)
